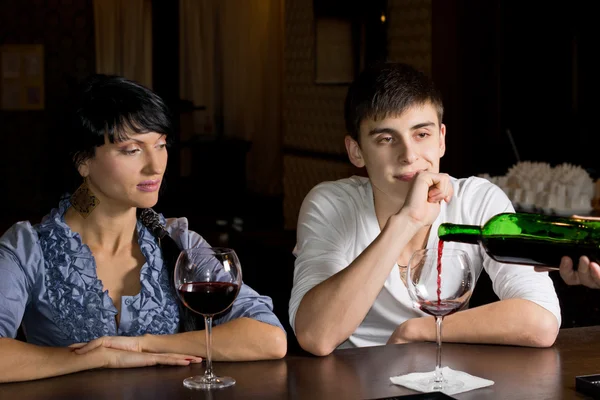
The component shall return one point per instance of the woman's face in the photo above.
(127, 174)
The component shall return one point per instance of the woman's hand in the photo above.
(126, 343)
(132, 344)
(114, 358)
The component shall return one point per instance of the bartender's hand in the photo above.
(587, 274)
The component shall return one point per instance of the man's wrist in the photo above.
(421, 329)
(402, 222)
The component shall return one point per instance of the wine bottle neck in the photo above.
(459, 233)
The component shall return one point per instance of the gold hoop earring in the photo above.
(83, 200)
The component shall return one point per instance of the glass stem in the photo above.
(438, 365)
(208, 374)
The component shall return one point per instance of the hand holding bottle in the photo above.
(587, 273)
(423, 200)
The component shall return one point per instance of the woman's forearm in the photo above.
(23, 362)
(242, 339)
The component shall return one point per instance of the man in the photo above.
(356, 235)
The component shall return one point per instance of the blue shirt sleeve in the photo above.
(18, 253)
(248, 303)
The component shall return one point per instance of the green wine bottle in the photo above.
(530, 239)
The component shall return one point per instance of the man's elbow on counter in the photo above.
(545, 332)
(318, 346)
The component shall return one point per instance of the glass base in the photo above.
(206, 383)
(445, 385)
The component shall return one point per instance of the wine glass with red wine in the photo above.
(440, 282)
(208, 280)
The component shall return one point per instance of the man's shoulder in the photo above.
(353, 187)
(473, 185)
(338, 202)
(477, 197)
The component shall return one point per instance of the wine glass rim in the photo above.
(210, 250)
(225, 256)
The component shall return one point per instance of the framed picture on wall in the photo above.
(22, 77)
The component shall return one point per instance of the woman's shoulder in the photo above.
(179, 230)
(20, 235)
(20, 248)
(177, 226)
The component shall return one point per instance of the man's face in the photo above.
(394, 149)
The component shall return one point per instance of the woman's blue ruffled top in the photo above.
(72, 299)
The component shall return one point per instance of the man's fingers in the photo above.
(439, 188)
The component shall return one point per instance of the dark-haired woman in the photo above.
(90, 283)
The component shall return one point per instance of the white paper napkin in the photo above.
(470, 382)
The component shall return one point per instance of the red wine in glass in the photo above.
(208, 298)
(440, 308)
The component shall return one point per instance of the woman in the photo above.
(90, 284)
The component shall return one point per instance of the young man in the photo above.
(355, 235)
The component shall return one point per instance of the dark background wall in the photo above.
(523, 66)
(28, 140)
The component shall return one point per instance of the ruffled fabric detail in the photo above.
(81, 309)
(156, 302)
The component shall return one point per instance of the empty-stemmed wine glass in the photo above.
(208, 281)
(440, 282)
